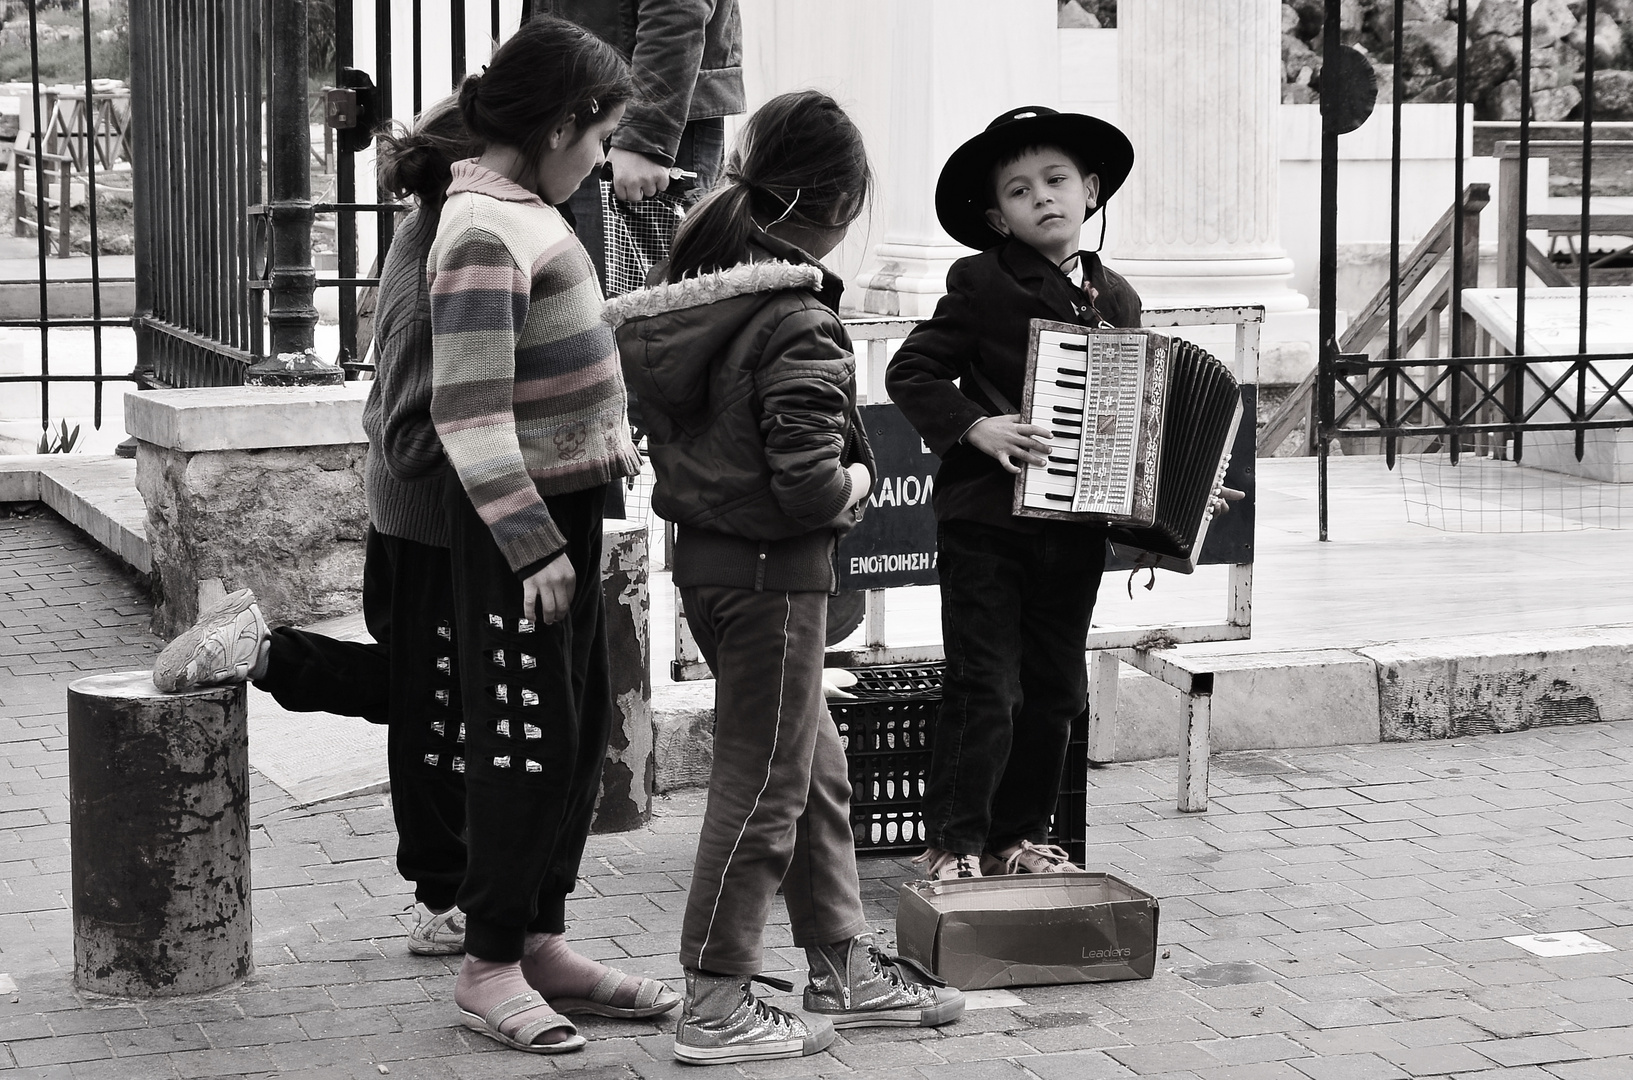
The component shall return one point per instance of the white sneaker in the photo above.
(437, 934)
(942, 865)
(223, 646)
(1028, 858)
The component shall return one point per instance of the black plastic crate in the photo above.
(888, 732)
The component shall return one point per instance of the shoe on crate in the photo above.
(224, 646)
(941, 865)
(1028, 858)
(856, 984)
(721, 1020)
(437, 933)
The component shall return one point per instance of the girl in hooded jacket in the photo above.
(748, 385)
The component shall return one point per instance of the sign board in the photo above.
(895, 542)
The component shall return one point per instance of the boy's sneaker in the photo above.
(940, 865)
(1028, 858)
(223, 646)
(722, 1021)
(437, 933)
(856, 984)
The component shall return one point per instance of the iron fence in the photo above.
(62, 158)
(1439, 374)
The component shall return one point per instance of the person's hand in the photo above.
(636, 176)
(1010, 441)
(550, 590)
(1224, 497)
(861, 483)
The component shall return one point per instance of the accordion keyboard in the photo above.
(1092, 422)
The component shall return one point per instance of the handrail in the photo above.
(1299, 405)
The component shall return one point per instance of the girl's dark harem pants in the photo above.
(779, 793)
(538, 712)
(407, 679)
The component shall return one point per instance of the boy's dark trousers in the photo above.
(1015, 611)
(779, 791)
(395, 680)
(538, 713)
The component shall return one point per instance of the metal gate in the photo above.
(79, 129)
(1436, 362)
(217, 128)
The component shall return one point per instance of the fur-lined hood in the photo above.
(742, 280)
(674, 338)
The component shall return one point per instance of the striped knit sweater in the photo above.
(527, 395)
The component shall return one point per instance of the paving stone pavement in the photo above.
(1337, 914)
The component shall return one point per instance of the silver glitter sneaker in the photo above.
(221, 647)
(856, 984)
(722, 1021)
(437, 933)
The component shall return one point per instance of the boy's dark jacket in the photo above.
(984, 321)
(747, 385)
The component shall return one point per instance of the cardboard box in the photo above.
(1028, 929)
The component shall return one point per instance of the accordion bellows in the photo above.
(1141, 426)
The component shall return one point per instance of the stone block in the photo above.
(1324, 697)
(248, 417)
(682, 734)
(289, 523)
(627, 775)
(1452, 687)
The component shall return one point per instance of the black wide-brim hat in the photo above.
(963, 193)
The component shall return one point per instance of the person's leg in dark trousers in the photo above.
(1058, 601)
(538, 712)
(427, 795)
(309, 672)
(779, 794)
(983, 573)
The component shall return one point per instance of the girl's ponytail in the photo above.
(419, 161)
(799, 158)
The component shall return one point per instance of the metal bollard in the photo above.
(158, 791)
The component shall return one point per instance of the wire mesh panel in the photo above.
(1490, 495)
(197, 76)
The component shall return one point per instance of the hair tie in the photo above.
(790, 210)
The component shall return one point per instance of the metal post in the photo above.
(1328, 287)
(292, 317)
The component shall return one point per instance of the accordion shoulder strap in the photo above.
(992, 392)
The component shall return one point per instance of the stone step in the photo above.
(97, 493)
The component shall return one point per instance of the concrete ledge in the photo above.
(1503, 682)
(248, 417)
(96, 493)
(1268, 700)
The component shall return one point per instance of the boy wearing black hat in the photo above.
(1016, 593)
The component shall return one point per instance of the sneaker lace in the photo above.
(1051, 854)
(934, 864)
(889, 967)
(763, 1009)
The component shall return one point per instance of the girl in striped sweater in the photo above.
(529, 403)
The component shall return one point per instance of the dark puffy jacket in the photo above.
(687, 56)
(747, 385)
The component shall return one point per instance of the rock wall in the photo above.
(1493, 51)
(288, 523)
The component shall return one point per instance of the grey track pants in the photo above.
(779, 794)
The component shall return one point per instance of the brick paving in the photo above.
(1338, 914)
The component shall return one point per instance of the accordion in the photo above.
(1141, 427)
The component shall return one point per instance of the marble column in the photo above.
(1198, 221)
(955, 64)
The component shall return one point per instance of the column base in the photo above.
(907, 279)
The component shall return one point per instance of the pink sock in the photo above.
(556, 971)
(485, 983)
